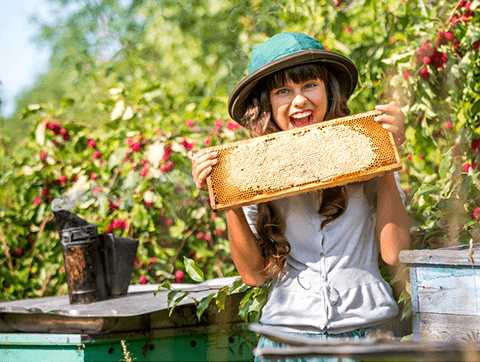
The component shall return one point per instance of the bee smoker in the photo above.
(81, 253)
(96, 266)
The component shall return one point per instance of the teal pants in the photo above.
(356, 334)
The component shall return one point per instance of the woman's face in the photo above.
(299, 104)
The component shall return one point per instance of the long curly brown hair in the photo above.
(331, 203)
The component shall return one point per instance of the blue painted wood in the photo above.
(41, 347)
(41, 339)
(449, 290)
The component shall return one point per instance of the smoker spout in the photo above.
(67, 220)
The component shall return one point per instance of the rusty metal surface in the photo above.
(139, 300)
(83, 264)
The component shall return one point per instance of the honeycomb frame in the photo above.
(225, 193)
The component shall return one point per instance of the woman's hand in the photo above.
(202, 162)
(392, 120)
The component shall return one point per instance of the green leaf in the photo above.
(164, 286)
(178, 300)
(428, 189)
(193, 270)
(67, 101)
(139, 216)
(171, 296)
(220, 299)
(203, 305)
(445, 166)
(236, 284)
(177, 230)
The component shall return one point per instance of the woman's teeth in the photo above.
(301, 119)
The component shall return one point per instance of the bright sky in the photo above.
(21, 61)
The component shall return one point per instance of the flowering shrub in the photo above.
(130, 172)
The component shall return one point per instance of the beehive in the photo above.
(327, 154)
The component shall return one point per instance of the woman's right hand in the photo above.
(202, 162)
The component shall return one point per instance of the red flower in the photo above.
(143, 280)
(232, 125)
(96, 155)
(476, 213)
(475, 144)
(63, 179)
(38, 200)
(43, 155)
(406, 74)
(476, 45)
(190, 123)
(117, 224)
(148, 204)
(207, 141)
(207, 237)
(189, 146)
(129, 142)
(45, 192)
(91, 143)
(467, 167)
(179, 275)
(167, 167)
(96, 190)
(153, 260)
(144, 171)
(199, 235)
(135, 146)
(55, 127)
(167, 152)
(169, 222)
(421, 156)
(93, 176)
(214, 216)
(448, 125)
(424, 73)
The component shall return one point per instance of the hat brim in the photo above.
(345, 70)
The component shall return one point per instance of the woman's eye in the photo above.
(310, 85)
(282, 91)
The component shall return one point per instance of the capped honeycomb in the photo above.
(332, 153)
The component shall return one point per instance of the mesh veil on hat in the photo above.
(282, 51)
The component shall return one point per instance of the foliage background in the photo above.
(132, 88)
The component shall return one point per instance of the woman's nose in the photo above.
(299, 100)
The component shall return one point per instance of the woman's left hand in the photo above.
(392, 120)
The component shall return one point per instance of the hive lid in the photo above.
(454, 255)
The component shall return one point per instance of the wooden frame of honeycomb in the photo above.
(328, 154)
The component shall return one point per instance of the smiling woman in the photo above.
(299, 104)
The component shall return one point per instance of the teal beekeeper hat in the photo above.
(285, 50)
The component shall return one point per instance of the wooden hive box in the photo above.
(445, 292)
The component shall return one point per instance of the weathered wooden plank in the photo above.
(450, 290)
(414, 289)
(458, 255)
(447, 327)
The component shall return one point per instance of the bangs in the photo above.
(297, 74)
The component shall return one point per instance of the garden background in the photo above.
(133, 87)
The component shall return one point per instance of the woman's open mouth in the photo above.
(301, 119)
